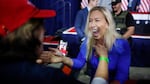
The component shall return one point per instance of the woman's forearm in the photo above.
(68, 61)
(102, 70)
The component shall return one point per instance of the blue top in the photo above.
(119, 60)
(80, 22)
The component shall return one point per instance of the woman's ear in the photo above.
(107, 26)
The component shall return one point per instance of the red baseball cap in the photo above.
(15, 13)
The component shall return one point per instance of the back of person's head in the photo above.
(20, 21)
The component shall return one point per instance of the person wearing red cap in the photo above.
(21, 37)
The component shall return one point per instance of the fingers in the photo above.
(101, 49)
(39, 61)
(45, 56)
(49, 57)
(56, 51)
(53, 55)
(53, 49)
(55, 59)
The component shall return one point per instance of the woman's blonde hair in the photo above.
(110, 35)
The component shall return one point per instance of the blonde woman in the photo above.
(102, 43)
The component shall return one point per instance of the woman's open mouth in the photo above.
(95, 31)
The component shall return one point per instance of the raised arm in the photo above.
(101, 75)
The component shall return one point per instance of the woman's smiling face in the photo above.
(97, 24)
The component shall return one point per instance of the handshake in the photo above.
(53, 55)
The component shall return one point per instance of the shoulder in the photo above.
(124, 13)
(128, 15)
(121, 45)
(130, 20)
(84, 43)
(120, 41)
(83, 10)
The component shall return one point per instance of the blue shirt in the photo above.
(119, 60)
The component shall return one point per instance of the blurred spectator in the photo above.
(105, 3)
(133, 5)
(125, 24)
(81, 18)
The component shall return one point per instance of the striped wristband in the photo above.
(104, 58)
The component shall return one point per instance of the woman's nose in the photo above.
(93, 24)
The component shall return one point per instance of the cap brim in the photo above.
(114, 3)
(44, 14)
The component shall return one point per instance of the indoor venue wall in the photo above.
(66, 12)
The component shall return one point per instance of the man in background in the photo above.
(125, 24)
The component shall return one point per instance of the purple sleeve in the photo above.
(123, 66)
(79, 62)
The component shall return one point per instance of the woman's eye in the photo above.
(97, 20)
(90, 20)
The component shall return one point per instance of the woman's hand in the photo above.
(56, 59)
(55, 51)
(101, 49)
(45, 56)
(52, 56)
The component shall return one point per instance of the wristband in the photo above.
(66, 70)
(104, 58)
